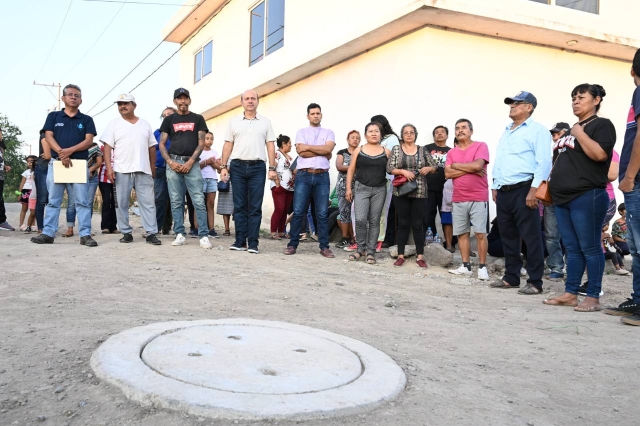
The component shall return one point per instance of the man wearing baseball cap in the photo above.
(555, 260)
(522, 162)
(130, 142)
(187, 131)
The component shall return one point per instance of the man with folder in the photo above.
(69, 134)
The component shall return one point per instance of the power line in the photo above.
(56, 39)
(140, 2)
(161, 65)
(94, 43)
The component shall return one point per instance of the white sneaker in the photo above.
(179, 241)
(621, 272)
(483, 274)
(462, 270)
(523, 272)
(204, 243)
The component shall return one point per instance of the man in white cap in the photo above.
(131, 143)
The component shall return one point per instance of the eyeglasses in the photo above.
(519, 103)
(73, 95)
(409, 133)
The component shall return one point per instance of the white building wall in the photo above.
(433, 77)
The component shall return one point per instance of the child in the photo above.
(611, 253)
(27, 185)
(209, 164)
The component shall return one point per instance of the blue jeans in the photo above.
(178, 184)
(247, 180)
(555, 261)
(632, 203)
(80, 194)
(161, 192)
(71, 206)
(93, 187)
(309, 185)
(580, 223)
(42, 193)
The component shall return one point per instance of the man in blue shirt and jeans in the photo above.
(69, 133)
(523, 160)
(630, 187)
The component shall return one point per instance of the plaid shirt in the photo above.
(413, 163)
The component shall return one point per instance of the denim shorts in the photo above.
(210, 185)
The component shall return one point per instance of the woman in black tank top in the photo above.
(368, 165)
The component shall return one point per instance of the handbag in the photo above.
(223, 186)
(542, 193)
(399, 180)
(407, 188)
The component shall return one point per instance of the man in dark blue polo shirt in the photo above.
(69, 134)
(163, 212)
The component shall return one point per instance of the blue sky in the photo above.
(28, 30)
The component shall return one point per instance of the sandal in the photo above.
(529, 289)
(371, 260)
(556, 302)
(502, 284)
(275, 237)
(593, 308)
(226, 233)
(355, 256)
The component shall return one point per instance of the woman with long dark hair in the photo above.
(281, 188)
(368, 165)
(389, 140)
(577, 186)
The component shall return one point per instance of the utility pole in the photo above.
(51, 85)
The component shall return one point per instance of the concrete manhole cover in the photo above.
(248, 369)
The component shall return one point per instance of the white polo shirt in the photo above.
(249, 137)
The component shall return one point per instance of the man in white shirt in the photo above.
(245, 141)
(130, 140)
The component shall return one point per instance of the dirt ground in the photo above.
(472, 355)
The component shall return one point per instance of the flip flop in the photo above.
(371, 260)
(556, 302)
(594, 308)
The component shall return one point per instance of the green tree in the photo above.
(12, 157)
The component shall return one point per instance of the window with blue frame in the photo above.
(267, 29)
(203, 62)
(590, 6)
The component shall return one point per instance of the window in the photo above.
(203, 62)
(267, 29)
(590, 6)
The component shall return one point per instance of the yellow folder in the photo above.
(77, 173)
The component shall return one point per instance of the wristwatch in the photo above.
(272, 169)
(224, 166)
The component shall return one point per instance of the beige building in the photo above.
(427, 62)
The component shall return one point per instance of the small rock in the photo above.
(530, 423)
(435, 254)
(391, 304)
(59, 389)
(341, 284)
(82, 403)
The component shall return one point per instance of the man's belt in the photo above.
(248, 162)
(506, 188)
(180, 157)
(315, 171)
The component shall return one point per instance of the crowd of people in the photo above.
(552, 188)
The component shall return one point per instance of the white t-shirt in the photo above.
(130, 143)
(28, 184)
(208, 172)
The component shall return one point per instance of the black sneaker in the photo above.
(633, 319)
(193, 233)
(213, 233)
(126, 238)
(582, 290)
(343, 243)
(42, 239)
(88, 241)
(153, 240)
(624, 309)
(236, 247)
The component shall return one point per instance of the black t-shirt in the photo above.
(183, 132)
(435, 181)
(574, 173)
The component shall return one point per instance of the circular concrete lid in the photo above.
(248, 369)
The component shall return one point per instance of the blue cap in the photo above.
(522, 97)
